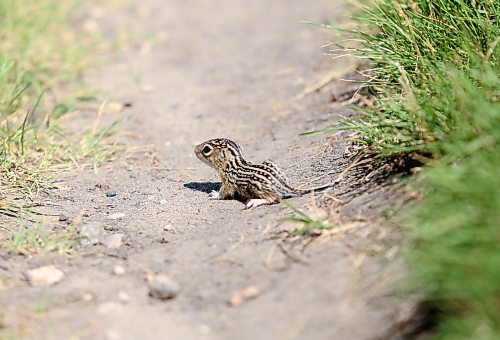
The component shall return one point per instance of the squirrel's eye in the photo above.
(206, 150)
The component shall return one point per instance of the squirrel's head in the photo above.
(217, 152)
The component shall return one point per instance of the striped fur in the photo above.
(243, 178)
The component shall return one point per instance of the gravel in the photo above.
(44, 276)
(162, 287)
(91, 233)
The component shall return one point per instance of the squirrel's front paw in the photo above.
(215, 195)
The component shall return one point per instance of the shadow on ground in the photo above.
(206, 187)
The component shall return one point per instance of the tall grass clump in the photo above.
(434, 76)
(409, 44)
(40, 54)
(455, 228)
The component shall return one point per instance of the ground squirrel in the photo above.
(258, 183)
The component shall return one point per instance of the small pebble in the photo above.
(112, 334)
(162, 287)
(87, 297)
(119, 270)
(113, 241)
(123, 296)
(110, 193)
(116, 216)
(147, 88)
(248, 293)
(162, 202)
(63, 218)
(204, 329)
(91, 233)
(44, 276)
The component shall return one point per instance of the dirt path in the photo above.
(215, 68)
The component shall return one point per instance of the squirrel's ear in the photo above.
(222, 154)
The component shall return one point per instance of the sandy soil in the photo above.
(210, 69)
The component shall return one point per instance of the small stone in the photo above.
(163, 202)
(63, 218)
(91, 233)
(113, 241)
(162, 287)
(248, 293)
(110, 193)
(168, 227)
(112, 334)
(122, 296)
(44, 276)
(87, 297)
(204, 329)
(147, 88)
(116, 216)
(119, 270)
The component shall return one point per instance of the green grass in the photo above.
(435, 80)
(41, 59)
(410, 44)
(39, 51)
(456, 253)
(40, 240)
